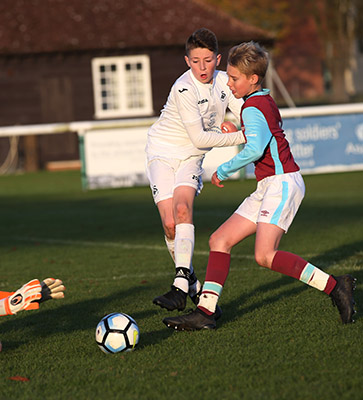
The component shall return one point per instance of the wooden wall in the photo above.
(49, 88)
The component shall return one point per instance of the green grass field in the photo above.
(277, 339)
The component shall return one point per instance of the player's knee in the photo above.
(262, 259)
(218, 243)
(213, 240)
(182, 212)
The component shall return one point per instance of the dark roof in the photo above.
(42, 26)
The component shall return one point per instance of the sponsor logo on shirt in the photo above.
(212, 120)
(264, 213)
(203, 101)
(183, 90)
(155, 190)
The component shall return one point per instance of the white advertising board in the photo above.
(116, 158)
(323, 139)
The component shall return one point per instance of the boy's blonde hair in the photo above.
(249, 58)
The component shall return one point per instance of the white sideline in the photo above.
(129, 246)
(121, 245)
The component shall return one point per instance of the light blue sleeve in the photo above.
(258, 136)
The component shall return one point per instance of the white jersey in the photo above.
(190, 121)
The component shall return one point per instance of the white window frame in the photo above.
(117, 91)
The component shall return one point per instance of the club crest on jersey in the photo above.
(223, 95)
(183, 90)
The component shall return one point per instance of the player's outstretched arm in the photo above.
(21, 299)
(212, 137)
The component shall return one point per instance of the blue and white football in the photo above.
(117, 332)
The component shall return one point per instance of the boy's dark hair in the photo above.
(202, 38)
(249, 58)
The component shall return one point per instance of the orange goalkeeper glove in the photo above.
(22, 298)
(51, 289)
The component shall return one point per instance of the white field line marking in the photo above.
(129, 246)
(121, 245)
(126, 246)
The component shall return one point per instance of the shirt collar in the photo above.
(261, 92)
(249, 95)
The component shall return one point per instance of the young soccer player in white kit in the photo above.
(188, 127)
(269, 211)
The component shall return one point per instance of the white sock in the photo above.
(314, 277)
(210, 295)
(170, 245)
(183, 252)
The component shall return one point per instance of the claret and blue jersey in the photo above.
(266, 144)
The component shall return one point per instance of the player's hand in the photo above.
(21, 299)
(216, 181)
(51, 289)
(228, 127)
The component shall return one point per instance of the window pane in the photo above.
(122, 86)
(108, 86)
(135, 85)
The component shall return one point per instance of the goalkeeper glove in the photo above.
(22, 298)
(51, 289)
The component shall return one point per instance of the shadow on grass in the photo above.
(79, 316)
(85, 315)
(234, 310)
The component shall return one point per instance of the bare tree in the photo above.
(337, 21)
(339, 28)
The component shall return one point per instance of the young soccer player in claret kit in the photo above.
(268, 212)
(188, 127)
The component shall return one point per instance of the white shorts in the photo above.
(275, 201)
(166, 174)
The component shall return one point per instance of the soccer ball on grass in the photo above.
(117, 332)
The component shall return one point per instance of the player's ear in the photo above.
(187, 61)
(219, 57)
(254, 79)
